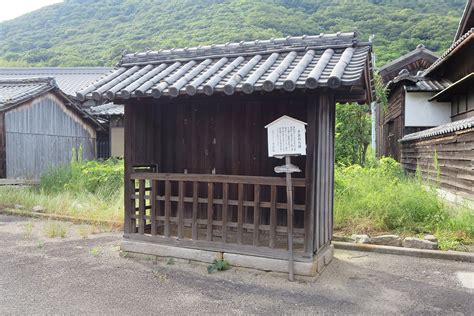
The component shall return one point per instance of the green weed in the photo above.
(54, 229)
(95, 251)
(28, 230)
(218, 265)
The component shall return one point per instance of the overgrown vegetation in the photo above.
(380, 197)
(95, 33)
(83, 190)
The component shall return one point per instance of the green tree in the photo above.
(353, 126)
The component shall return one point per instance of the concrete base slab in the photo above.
(170, 251)
(302, 269)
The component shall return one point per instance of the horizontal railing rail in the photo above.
(229, 209)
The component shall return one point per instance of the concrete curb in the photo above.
(412, 252)
(65, 218)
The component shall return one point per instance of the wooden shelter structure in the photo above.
(39, 127)
(197, 172)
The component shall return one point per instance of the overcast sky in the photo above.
(10, 9)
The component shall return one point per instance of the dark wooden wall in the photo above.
(3, 153)
(199, 135)
(391, 125)
(455, 156)
(226, 135)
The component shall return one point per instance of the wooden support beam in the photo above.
(167, 207)
(240, 212)
(195, 211)
(256, 215)
(154, 207)
(210, 209)
(225, 209)
(181, 209)
(273, 215)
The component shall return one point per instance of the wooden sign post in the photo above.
(286, 138)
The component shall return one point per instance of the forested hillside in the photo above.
(96, 32)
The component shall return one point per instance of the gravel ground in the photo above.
(78, 274)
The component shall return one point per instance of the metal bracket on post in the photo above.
(288, 168)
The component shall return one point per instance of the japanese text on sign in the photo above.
(286, 136)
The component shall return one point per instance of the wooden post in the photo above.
(289, 199)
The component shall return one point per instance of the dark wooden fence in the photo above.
(455, 151)
(216, 210)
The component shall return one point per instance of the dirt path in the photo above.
(87, 275)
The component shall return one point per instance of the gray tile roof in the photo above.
(69, 79)
(429, 85)
(440, 130)
(284, 63)
(418, 82)
(16, 91)
(460, 87)
(420, 54)
(108, 109)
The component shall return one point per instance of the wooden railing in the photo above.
(241, 210)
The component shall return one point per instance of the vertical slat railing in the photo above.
(141, 206)
(240, 213)
(181, 209)
(210, 209)
(132, 222)
(256, 215)
(195, 211)
(167, 207)
(154, 207)
(273, 215)
(225, 208)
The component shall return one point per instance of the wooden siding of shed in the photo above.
(3, 157)
(391, 125)
(42, 133)
(455, 156)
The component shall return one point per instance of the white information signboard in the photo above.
(286, 137)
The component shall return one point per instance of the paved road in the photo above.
(76, 275)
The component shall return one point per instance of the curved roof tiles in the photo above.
(287, 63)
(440, 130)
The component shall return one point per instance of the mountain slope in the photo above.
(95, 33)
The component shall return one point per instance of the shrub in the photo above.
(103, 178)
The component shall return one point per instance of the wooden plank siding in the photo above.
(455, 157)
(41, 133)
(3, 153)
(391, 125)
(211, 153)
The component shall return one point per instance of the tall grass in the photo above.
(83, 189)
(381, 198)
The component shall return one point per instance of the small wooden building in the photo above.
(452, 143)
(408, 94)
(39, 127)
(112, 116)
(69, 80)
(197, 170)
